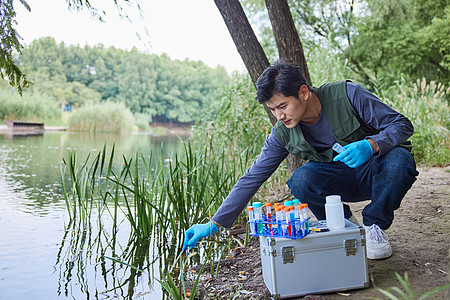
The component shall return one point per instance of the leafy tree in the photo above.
(105, 63)
(395, 38)
(9, 43)
(43, 55)
(137, 84)
(382, 40)
(147, 84)
(322, 23)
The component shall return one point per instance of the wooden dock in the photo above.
(24, 126)
(20, 128)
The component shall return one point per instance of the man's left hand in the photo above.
(355, 154)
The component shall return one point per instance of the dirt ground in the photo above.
(419, 236)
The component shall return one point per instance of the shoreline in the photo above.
(157, 129)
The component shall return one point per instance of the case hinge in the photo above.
(288, 254)
(350, 247)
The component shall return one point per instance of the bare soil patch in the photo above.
(420, 237)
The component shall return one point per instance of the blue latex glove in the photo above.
(198, 231)
(355, 154)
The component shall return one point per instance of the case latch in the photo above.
(288, 254)
(271, 241)
(350, 247)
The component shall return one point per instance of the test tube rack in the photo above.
(267, 228)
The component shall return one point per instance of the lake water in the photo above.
(42, 255)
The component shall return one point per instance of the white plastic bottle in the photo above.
(334, 211)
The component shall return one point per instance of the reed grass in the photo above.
(166, 199)
(426, 104)
(31, 107)
(86, 188)
(102, 117)
(159, 203)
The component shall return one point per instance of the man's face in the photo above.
(289, 110)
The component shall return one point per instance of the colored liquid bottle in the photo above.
(257, 209)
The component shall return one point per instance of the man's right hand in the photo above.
(198, 231)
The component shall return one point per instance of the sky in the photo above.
(180, 28)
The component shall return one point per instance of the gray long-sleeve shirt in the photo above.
(394, 130)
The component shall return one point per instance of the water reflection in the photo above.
(96, 264)
(44, 256)
(33, 163)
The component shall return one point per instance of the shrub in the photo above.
(104, 116)
(142, 121)
(31, 107)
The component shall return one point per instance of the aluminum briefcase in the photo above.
(321, 262)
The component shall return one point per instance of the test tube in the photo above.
(251, 218)
(287, 228)
(257, 208)
(296, 210)
(338, 148)
(302, 228)
(269, 213)
(305, 215)
(279, 217)
(292, 219)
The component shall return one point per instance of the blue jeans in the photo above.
(382, 179)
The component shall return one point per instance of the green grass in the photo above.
(406, 292)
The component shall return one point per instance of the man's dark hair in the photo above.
(282, 77)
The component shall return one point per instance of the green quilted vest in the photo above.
(341, 117)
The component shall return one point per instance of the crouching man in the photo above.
(376, 164)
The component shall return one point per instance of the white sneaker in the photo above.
(377, 243)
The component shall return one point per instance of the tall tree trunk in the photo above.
(252, 54)
(286, 35)
(244, 38)
(289, 47)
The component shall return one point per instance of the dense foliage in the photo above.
(9, 43)
(382, 40)
(240, 124)
(10, 38)
(153, 85)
